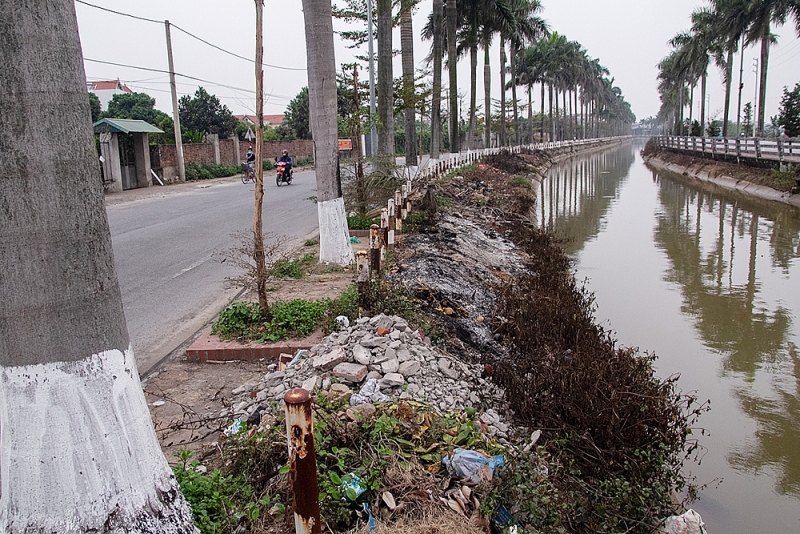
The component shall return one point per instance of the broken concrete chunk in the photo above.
(392, 380)
(409, 368)
(362, 354)
(350, 372)
(326, 362)
(390, 366)
(274, 378)
(310, 384)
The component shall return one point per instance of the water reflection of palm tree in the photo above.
(577, 194)
(733, 320)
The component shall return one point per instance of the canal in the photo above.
(709, 281)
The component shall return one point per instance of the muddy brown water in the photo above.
(709, 280)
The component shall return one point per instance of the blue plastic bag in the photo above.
(467, 463)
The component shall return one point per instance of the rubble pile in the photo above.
(378, 358)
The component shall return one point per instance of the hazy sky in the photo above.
(628, 36)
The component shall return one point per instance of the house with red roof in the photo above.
(269, 120)
(106, 89)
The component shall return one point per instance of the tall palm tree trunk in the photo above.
(530, 114)
(728, 79)
(502, 91)
(334, 237)
(407, 45)
(473, 91)
(541, 134)
(385, 82)
(487, 94)
(552, 118)
(436, 96)
(77, 448)
(513, 64)
(703, 104)
(452, 61)
(762, 89)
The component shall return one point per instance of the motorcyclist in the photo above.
(286, 159)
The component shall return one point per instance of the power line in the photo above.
(167, 72)
(212, 45)
(119, 13)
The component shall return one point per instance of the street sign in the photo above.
(249, 135)
(345, 144)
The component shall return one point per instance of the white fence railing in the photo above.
(754, 148)
(448, 161)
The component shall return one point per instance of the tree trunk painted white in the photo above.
(334, 238)
(77, 447)
(78, 452)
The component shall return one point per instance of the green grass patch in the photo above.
(520, 181)
(206, 171)
(311, 242)
(293, 268)
(292, 319)
(360, 222)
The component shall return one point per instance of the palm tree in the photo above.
(452, 60)
(436, 98)
(385, 92)
(530, 28)
(78, 448)
(334, 238)
(407, 45)
(730, 21)
(762, 14)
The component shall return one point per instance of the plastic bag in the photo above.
(370, 392)
(688, 522)
(468, 463)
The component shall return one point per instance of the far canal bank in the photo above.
(707, 279)
(748, 180)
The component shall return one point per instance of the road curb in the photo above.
(209, 348)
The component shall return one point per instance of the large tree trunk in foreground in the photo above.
(77, 447)
(334, 238)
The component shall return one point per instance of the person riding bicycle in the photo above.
(285, 158)
(250, 159)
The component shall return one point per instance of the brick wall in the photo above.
(298, 149)
(226, 152)
(162, 157)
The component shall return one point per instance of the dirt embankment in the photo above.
(762, 183)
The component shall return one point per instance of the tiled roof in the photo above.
(108, 85)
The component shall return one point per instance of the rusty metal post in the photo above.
(302, 462)
(362, 281)
(398, 215)
(374, 250)
(392, 225)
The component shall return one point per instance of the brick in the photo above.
(350, 372)
(326, 362)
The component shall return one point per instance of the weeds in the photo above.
(292, 319)
(206, 171)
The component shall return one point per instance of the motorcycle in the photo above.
(283, 176)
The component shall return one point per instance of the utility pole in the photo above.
(176, 119)
(373, 130)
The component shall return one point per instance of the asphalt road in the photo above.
(166, 251)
